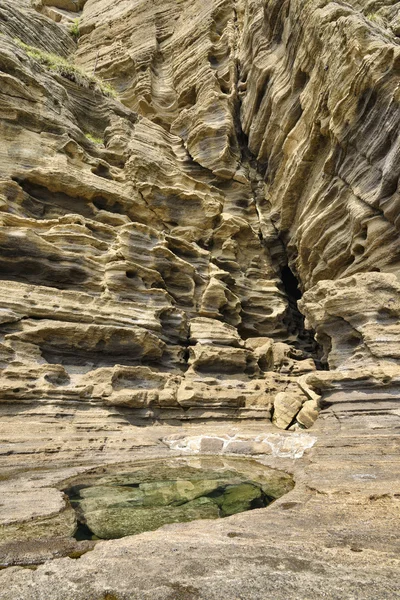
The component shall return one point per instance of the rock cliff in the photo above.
(199, 225)
(142, 218)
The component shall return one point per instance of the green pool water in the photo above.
(116, 502)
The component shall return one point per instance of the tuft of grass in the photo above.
(106, 88)
(61, 66)
(92, 138)
(375, 18)
(74, 29)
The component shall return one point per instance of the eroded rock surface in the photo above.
(137, 269)
(175, 177)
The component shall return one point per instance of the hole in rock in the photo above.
(290, 283)
(45, 204)
(300, 81)
(214, 61)
(103, 204)
(358, 249)
(354, 340)
(295, 322)
(264, 364)
(40, 271)
(188, 97)
(102, 171)
(112, 503)
(259, 98)
(225, 86)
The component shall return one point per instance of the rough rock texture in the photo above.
(155, 241)
(320, 109)
(163, 280)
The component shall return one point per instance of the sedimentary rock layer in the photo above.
(137, 270)
(178, 180)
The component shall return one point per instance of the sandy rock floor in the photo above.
(334, 536)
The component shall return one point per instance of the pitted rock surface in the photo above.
(199, 254)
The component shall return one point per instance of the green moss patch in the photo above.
(64, 68)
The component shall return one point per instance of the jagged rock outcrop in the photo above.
(320, 110)
(181, 183)
(357, 320)
(114, 216)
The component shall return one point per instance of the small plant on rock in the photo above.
(74, 29)
(375, 18)
(61, 66)
(94, 139)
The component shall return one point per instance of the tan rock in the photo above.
(286, 407)
(43, 512)
(145, 241)
(205, 331)
(356, 319)
(308, 413)
(332, 174)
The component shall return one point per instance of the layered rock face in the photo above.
(145, 239)
(182, 183)
(141, 268)
(320, 111)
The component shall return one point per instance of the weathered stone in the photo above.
(356, 320)
(111, 523)
(35, 514)
(206, 331)
(331, 177)
(286, 407)
(238, 498)
(150, 241)
(152, 494)
(308, 413)
(212, 445)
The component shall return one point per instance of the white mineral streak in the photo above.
(279, 445)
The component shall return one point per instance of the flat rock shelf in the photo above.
(116, 502)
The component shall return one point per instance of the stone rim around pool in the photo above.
(114, 502)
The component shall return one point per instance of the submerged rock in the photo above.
(238, 498)
(170, 492)
(119, 522)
